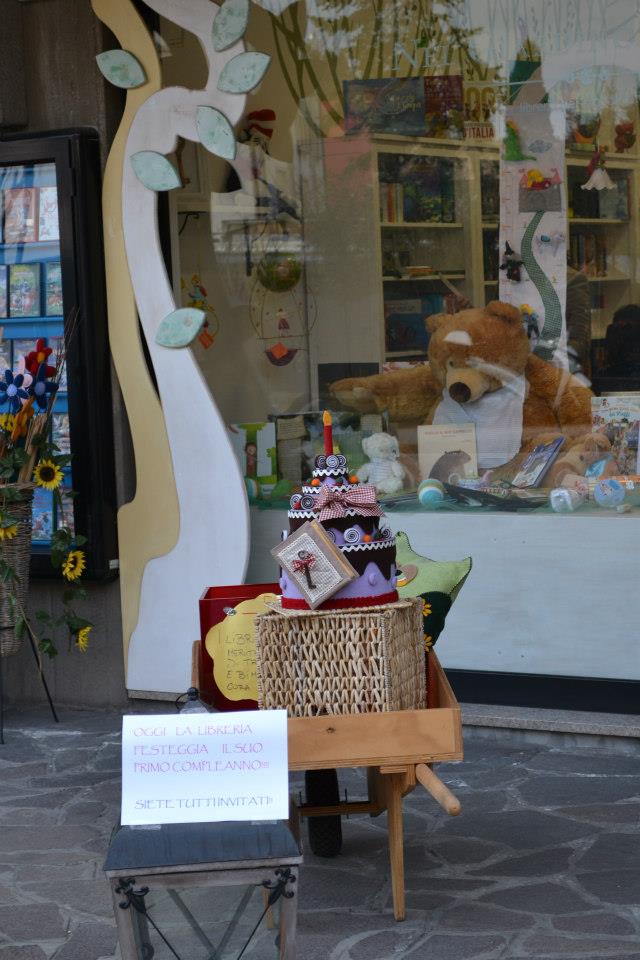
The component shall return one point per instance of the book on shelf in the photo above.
(391, 202)
(416, 189)
(405, 327)
(444, 107)
(588, 253)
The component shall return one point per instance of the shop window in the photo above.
(430, 227)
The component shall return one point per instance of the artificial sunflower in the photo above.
(8, 533)
(7, 422)
(82, 639)
(426, 609)
(73, 565)
(428, 642)
(48, 475)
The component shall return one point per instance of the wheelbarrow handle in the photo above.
(437, 789)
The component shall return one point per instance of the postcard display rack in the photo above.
(425, 218)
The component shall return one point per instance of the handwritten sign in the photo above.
(231, 645)
(199, 767)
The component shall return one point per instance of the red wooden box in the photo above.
(212, 606)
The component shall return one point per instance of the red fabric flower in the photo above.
(38, 356)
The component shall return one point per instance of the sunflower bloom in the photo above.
(21, 421)
(8, 533)
(428, 642)
(82, 639)
(73, 565)
(426, 609)
(7, 422)
(48, 475)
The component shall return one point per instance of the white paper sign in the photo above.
(201, 767)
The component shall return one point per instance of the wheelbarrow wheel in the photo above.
(325, 833)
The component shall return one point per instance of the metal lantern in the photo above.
(205, 891)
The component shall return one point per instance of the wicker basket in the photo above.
(342, 661)
(17, 553)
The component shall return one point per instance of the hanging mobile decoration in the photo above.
(597, 176)
(197, 297)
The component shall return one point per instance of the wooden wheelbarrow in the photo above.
(396, 748)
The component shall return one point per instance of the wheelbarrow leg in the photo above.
(394, 790)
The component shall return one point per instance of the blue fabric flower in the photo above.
(12, 391)
(41, 388)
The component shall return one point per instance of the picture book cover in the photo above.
(447, 451)
(48, 228)
(61, 436)
(42, 525)
(4, 290)
(532, 471)
(312, 560)
(255, 447)
(618, 417)
(20, 218)
(394, 105)
(65, 517)
(444, 107)
(405, 328)
(53, 289)
(24, 290)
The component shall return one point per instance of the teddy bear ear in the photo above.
(435, 320)
(506, 311)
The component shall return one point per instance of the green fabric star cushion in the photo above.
(438, 583)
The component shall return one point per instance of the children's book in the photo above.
(48, 228)
(444, 107)
(20, 215)
(532, 471)
(53, 289)
(42, 523)
(4, 289)
(392, 105)
(446, 451)
(24, 290)
(618, 417)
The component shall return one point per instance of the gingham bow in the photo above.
(332, 503)
(304, 563)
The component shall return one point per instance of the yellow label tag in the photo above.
(231, 644)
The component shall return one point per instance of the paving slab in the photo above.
(541, 864)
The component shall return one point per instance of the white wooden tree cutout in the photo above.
(213, 543)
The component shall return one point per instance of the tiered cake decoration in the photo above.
(351, 516)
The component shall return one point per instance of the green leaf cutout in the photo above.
(181, 327)
(154, 170)
(244, 72)
(215, 132)
(121, 68)
(230, 23)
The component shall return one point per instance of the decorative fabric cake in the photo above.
(351, 516)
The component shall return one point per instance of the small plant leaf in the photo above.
(121, 69)
(180, 327)
(154, 170)
(244, 72)
(230, 23)
(215, 132)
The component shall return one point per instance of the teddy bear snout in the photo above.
(460, 392)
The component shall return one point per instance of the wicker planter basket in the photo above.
(17, 553)
(342, 661)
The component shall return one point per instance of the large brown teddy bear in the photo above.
(480, 370)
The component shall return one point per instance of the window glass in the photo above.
(430, 228)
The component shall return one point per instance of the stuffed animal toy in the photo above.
(480, 371)
(383, 470)
(576, 460)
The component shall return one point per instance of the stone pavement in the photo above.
(543, 862)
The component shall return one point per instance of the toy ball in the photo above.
(430, 493)
(609, 493)
(252, 487)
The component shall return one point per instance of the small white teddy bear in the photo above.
(383, 469)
